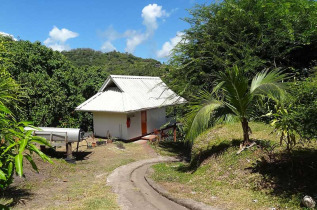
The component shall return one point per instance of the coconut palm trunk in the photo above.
(245, 128)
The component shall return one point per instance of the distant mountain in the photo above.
(114, 62)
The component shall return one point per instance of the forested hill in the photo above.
(114, 62)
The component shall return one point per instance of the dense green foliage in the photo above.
(16, 143)
(252, 34)
(304, 107)
(49, 82)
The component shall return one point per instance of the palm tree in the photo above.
(233, 97)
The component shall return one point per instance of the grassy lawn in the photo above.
(73, 186)
(262, 177)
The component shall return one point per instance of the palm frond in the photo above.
(231, 99)
(269, 84)
(235, 88)
(199, 121)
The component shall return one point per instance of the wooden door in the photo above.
(143, 122)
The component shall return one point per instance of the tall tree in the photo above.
(252, 34)
(50, 90)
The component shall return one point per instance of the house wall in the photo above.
(135, 125)
(155, 119)
(115, 123)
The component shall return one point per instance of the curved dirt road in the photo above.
(150, 195)
(134, 192)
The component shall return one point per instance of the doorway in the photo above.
(143, 123)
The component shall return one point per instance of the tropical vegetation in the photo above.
(252, 36)
(16, 142)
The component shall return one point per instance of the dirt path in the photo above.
(157, 200)
(75, 186)
(134, 192)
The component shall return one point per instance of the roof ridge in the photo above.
(133, 77)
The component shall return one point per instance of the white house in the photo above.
(129, 107)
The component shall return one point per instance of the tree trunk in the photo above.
(245, 128)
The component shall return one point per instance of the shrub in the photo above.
(304, 113)
(296, 116)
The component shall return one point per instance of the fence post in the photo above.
(174, 132)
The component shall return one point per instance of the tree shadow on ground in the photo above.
(62, 155)
(215, 150)
(180, 149)
(14, 196)
(289, 173)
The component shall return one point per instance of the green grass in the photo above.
(262, 177)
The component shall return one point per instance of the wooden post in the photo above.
(174, 132)
(69, 151)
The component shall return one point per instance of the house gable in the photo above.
(109, 83)
(130, 94)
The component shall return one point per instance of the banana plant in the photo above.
(16, 145)
(283, 126)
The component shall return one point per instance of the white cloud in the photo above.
(133, 40)
(169, 45)
(8, 35)
(108, 47)
(58, 37)
(150, 15)
(111, 34)
(59, 47)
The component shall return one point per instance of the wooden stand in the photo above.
(69, 153)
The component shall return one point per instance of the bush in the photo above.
(304, 107)
(296, 115)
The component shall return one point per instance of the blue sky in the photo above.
(147, 29)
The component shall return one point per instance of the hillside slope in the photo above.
(262, 177)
